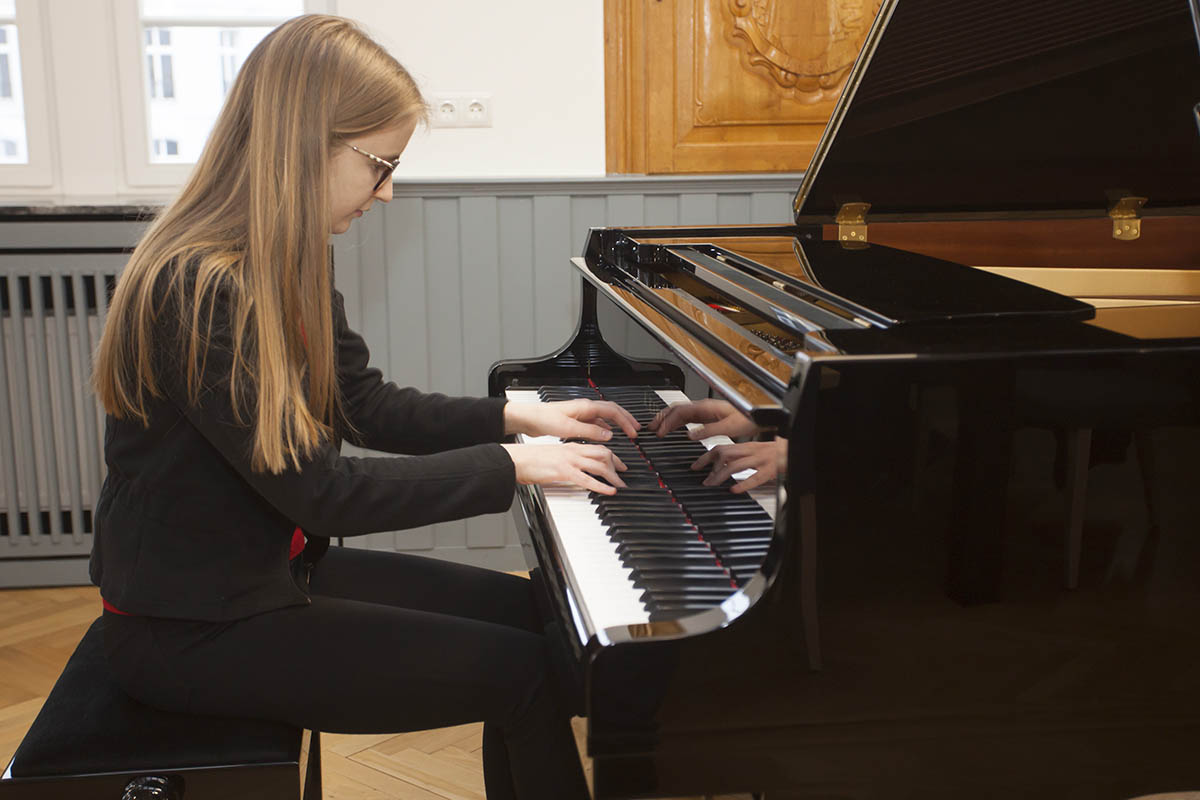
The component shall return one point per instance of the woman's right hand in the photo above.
(567, 463)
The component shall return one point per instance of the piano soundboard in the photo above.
(666, 545)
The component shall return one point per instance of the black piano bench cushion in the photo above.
(89, 725)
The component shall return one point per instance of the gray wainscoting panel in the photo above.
(474, 273)
(443, 281)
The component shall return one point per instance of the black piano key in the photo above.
(621, 512)
(638, 573)
(622, 500)
(710, 597)
(675, 562)
(735, 548)
(721, 537)
(683, 561)
(654, 537)
(656, 533)
(651, 516)
(684, 604)
(732, 514)
(684, 493)
(646, 491)
(690, 573)
(732, 527)
(667, 613)
(741, 562)
(728, 500)
(657, 584)
(732, 522)
(667, 548)
(629, 521)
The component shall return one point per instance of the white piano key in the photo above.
(608, 597)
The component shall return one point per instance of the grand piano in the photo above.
(989, 296)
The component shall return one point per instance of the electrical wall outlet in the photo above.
(445, 112)
(477, 111)
(460, 110)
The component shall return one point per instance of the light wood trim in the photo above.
(1112, 282)
(660, 87)
(624, 87)
(1166, 242)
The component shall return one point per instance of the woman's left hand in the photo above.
(569, 419)
(768, 459)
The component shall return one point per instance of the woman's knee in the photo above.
(530, 692)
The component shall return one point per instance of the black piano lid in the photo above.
(905, 287)
(1014, 107)
(880, 285)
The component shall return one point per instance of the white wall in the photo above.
(540, 60)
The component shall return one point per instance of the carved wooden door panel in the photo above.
(725, 85)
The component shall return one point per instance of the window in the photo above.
(5, 69)
(184, 57)
(230, 63)
(12, 104)
(26, 163)
(160, 72)
(193, 50)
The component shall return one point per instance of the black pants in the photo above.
(390, 643)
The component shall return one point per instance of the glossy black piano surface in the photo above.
(925, 621)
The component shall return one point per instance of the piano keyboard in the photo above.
(666, 546)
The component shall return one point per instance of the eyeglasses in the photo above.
(388, 166)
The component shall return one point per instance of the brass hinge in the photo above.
(852, 223)
(1126, 218)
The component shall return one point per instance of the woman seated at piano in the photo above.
(230, 378)
(716, 417)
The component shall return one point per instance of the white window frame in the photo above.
(38, 172)
(140, 172)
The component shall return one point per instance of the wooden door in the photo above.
(725, 85)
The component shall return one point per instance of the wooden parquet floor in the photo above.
(39, 629)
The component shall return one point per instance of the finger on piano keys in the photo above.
(666, 545)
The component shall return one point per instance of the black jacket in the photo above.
(185, 529)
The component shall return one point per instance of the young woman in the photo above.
(230, 378)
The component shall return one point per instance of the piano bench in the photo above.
(1100, 399)
(91, 740)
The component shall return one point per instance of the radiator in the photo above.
(52, 310)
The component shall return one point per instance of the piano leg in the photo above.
(981, 473)
(1079, 446)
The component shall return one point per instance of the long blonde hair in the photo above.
(253, 221)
